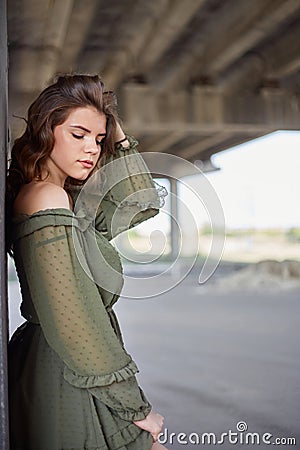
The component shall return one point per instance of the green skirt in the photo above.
(48, 413)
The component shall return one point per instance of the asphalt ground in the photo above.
(211, 358)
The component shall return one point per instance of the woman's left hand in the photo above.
(152, 423)
(120, 135)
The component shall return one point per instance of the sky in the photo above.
(258, 186)
(258, 183)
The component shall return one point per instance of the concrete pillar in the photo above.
(174, 218)
(4, 439)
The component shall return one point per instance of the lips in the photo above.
(86, 163)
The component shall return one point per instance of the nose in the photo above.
(91, 146)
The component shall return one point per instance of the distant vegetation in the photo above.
(252, 244)
(293, 234)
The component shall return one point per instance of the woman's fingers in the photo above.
(152, 423)
(160, 421)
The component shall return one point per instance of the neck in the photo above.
(52, 175)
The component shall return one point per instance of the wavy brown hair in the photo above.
(51, 108)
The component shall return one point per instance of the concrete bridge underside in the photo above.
(194, 77)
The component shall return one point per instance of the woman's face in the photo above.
(77, 145)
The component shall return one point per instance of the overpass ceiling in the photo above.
(193, 77)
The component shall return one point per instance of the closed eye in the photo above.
(77, 136)
(81, 136)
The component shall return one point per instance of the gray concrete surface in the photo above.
(194, 77)
(209, 359)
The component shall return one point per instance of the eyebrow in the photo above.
(86, 129)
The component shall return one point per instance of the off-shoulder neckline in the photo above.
(25, 224)
(21, 217)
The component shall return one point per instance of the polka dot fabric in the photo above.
(133, 195)
(72, 384)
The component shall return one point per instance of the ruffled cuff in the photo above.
(134, 416)
(85, 382)
(133, 144)
(132, 196)
(122, 195)
(118, 390)
(131, 404)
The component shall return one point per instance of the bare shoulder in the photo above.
(37, 196)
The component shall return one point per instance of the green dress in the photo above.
(72, 384)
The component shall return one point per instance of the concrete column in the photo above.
(4, 439)
(174, 218)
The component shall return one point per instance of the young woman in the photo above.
(72, 384)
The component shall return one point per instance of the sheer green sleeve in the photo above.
(122, 194)
(74, 317)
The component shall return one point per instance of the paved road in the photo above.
(209, 359)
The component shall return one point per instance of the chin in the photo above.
(81, 177)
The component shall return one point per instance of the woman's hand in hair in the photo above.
(152, 423)
(120, 136)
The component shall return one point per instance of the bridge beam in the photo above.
(167, 29)
(34, 61)
(247, 34)
(206, 110)
(79, 25)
